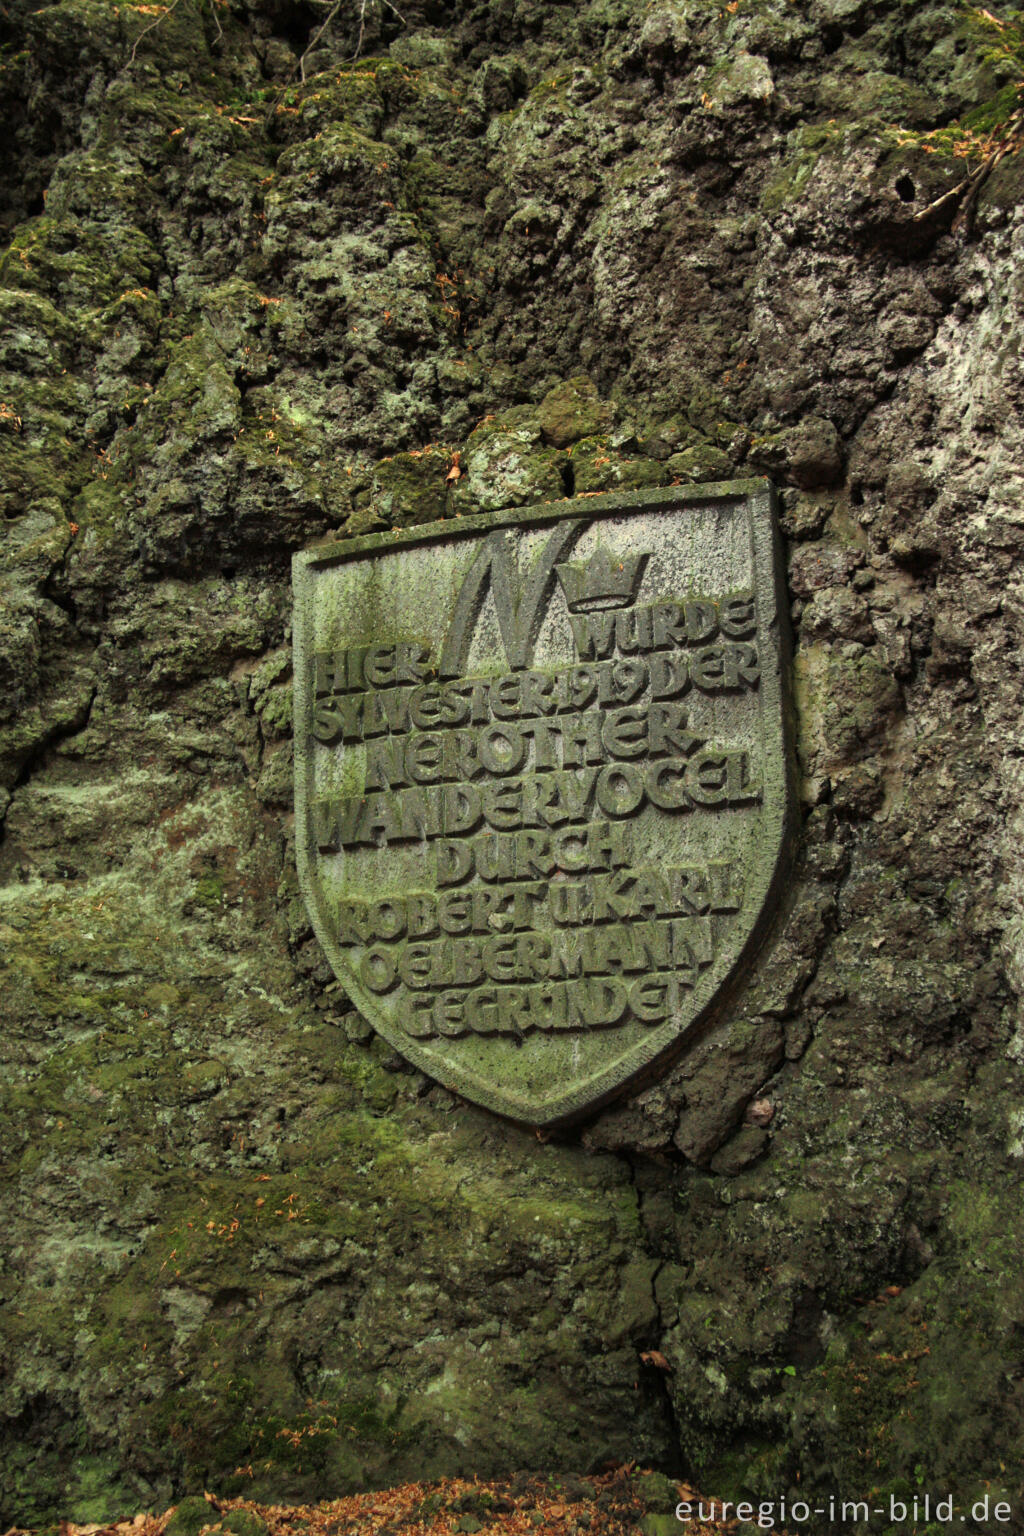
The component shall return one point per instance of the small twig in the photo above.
(300, 67)
(1011, 142)
(362, 23)
(966, 207)
(148, 29)
(359, 40)
(319, 34)
(922, 213)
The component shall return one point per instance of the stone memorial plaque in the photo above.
(542, 782)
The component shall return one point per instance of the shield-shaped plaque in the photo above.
(543, 783)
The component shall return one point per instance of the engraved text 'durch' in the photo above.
(542, 782)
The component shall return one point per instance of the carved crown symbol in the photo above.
(605, 581)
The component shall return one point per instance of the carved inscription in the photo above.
(538, 818)
(524, 784)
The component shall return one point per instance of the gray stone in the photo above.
(743, 1148)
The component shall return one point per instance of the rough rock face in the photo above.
(248, 302)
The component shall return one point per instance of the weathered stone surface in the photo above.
(245, 1247)
(544, 788)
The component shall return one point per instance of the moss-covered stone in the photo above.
(193, 1515)
(243, 1522)
(239, 311)
(597, 466)
(573, 410)
(412, 487)
(697, 464)
(506, 465)
(659, 1525)
(657, 1493)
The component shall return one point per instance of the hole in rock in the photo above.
(294, 23)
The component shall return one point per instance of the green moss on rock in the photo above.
(597, 466)
(573, 410)
(191, 1516)
(411, 487)
(507, 465)
(698, 464)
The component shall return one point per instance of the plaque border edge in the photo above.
(759, 495)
